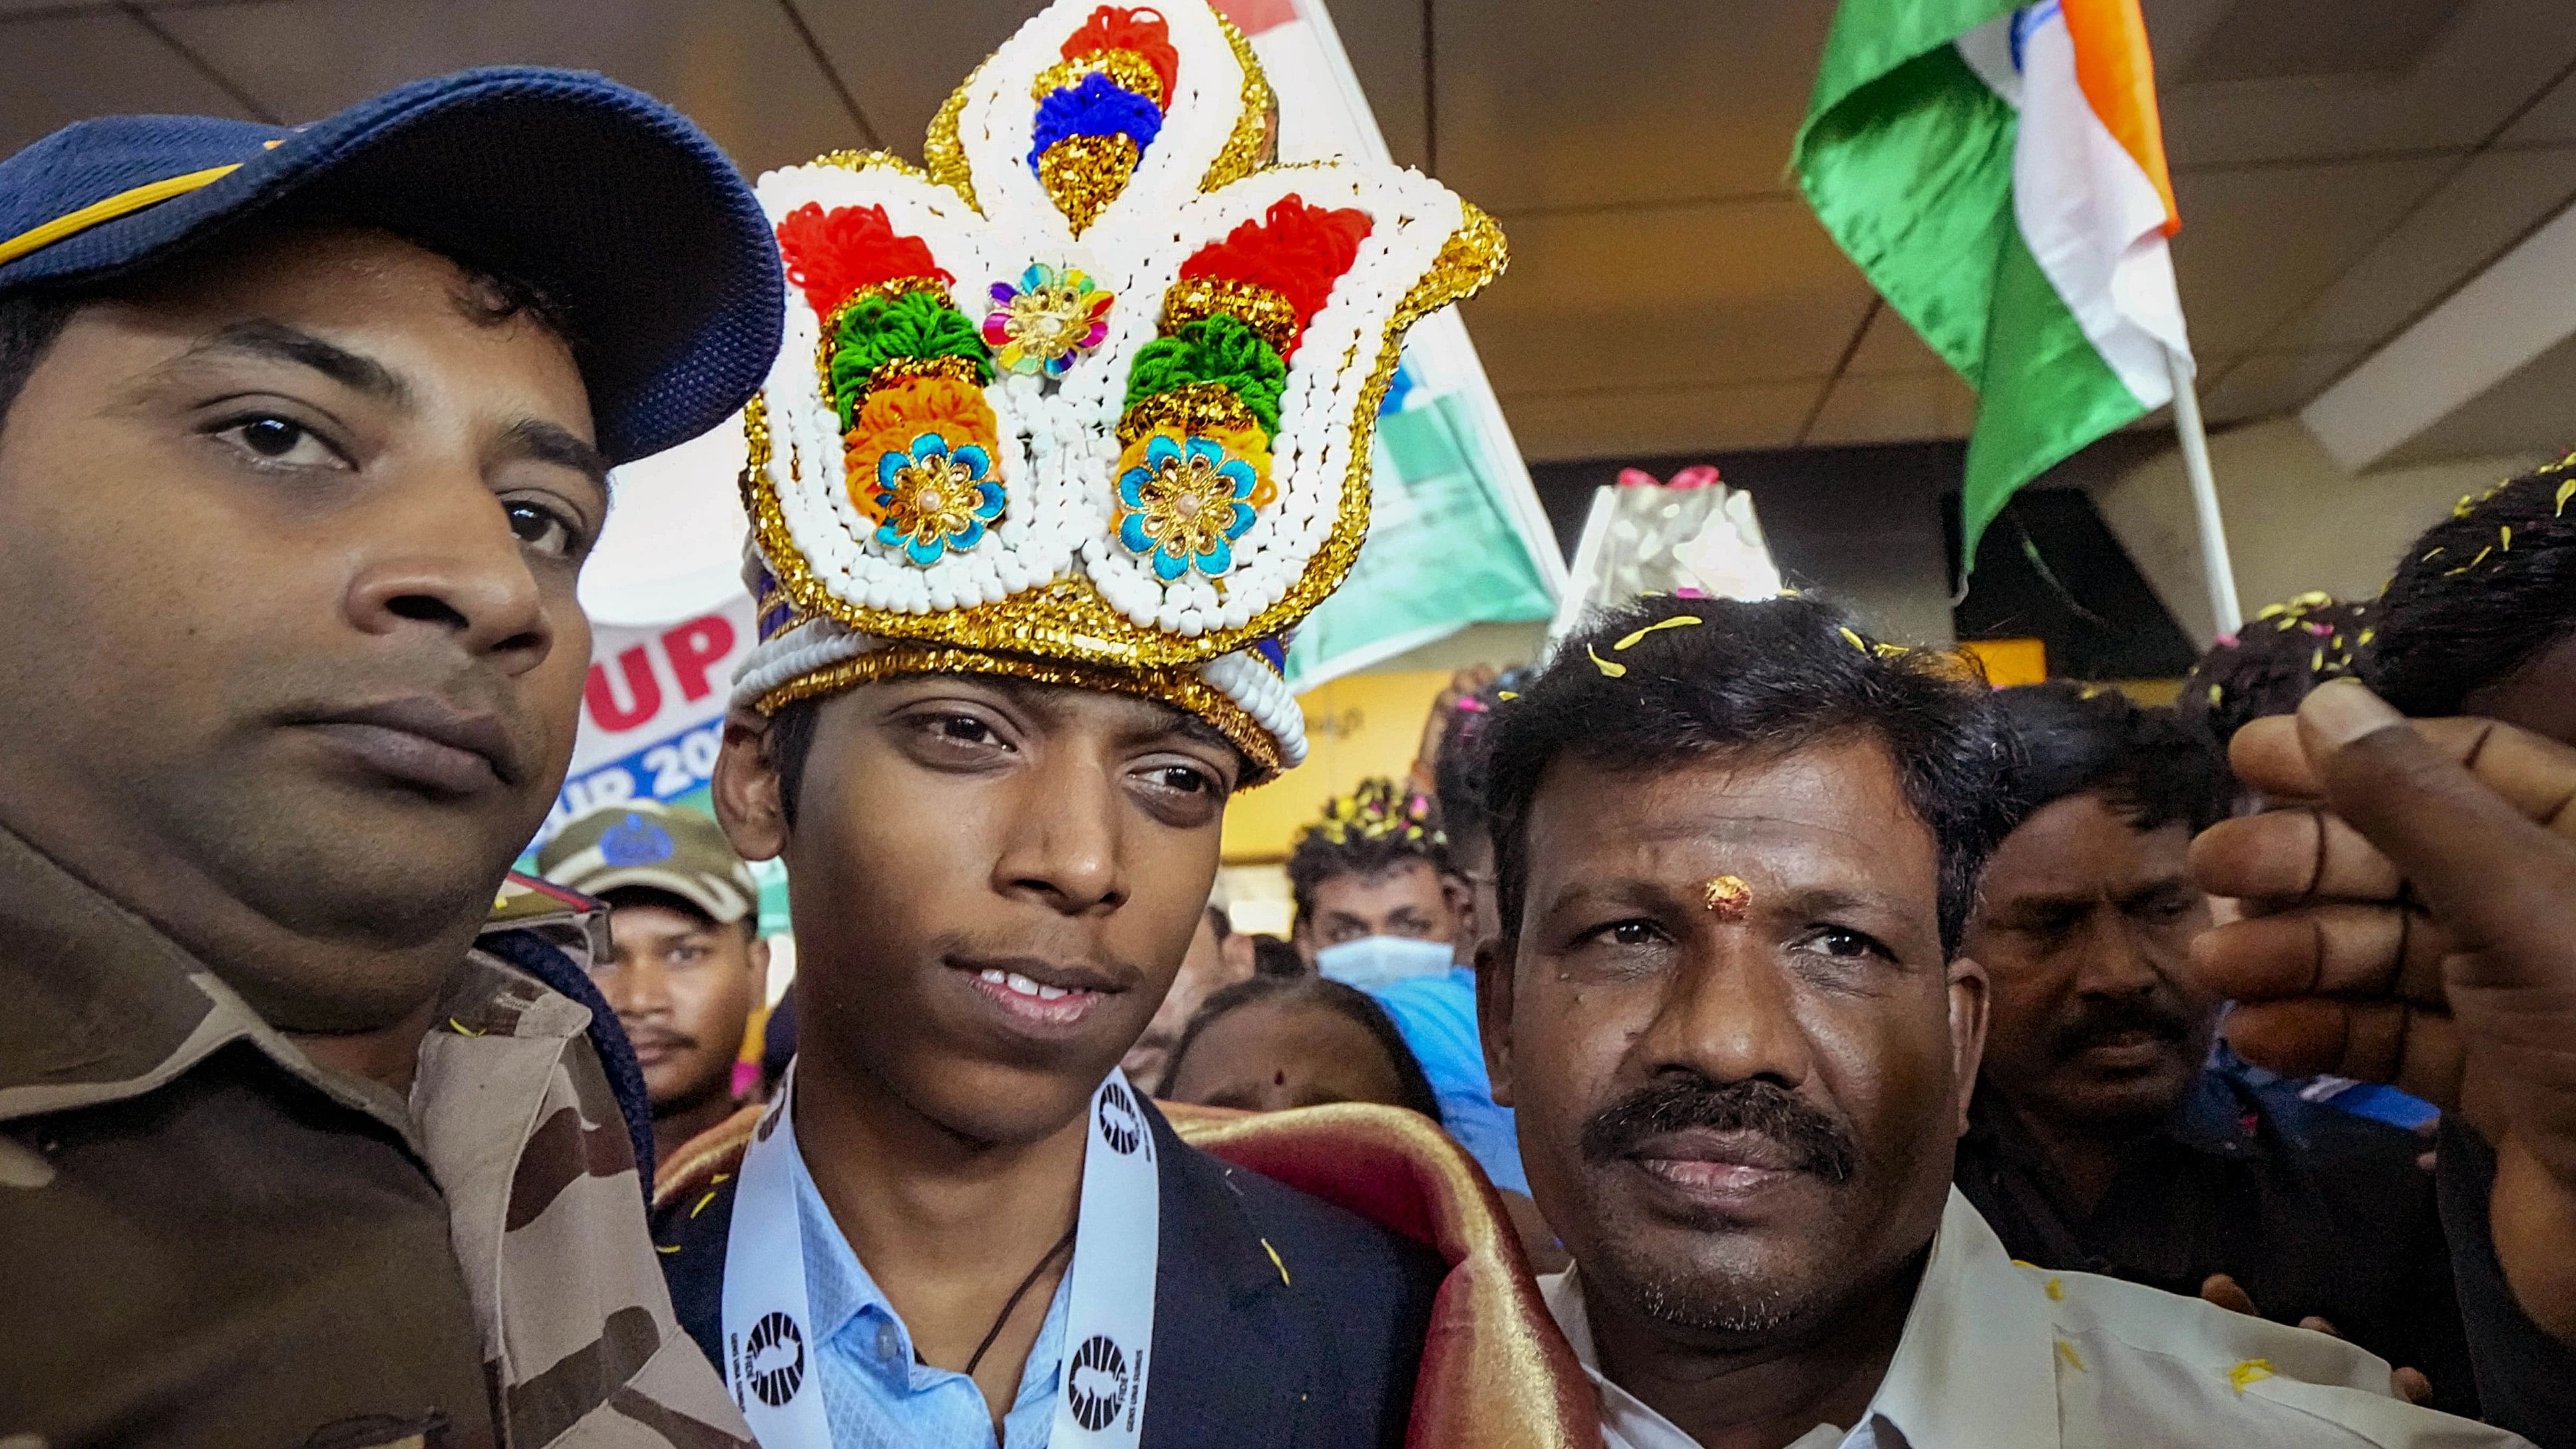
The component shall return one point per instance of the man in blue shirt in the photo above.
(1380, 907)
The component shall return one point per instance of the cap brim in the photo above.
(630, 220)
(721, 907)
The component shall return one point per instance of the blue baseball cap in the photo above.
(618, 208)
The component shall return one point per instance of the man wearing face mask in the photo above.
(1380, 907)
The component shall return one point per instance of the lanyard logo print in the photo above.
(775, 1359)
(1097, 1384)
(1119, 1125)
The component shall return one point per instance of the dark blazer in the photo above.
(1318, 1348)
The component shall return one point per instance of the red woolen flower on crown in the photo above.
(832, 255)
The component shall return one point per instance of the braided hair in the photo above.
(2478, 595)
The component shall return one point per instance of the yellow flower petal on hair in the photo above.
(1677, 621)
(2504, 537)
(1507, 694)
(2250, 1371)
(2369, 634)
(1604, 665)
(2215, 691)
(2566, 491)
(1855, 640)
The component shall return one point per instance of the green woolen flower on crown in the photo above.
(912, 326)
(1221, 350)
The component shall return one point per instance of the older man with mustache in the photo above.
(2103, 1138)
(1737, 850)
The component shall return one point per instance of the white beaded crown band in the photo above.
(1089, 401)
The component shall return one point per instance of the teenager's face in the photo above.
(1739, 1120)
(683, 987)
(288, 543)
(995, 883)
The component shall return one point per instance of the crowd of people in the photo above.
(1740, 1031)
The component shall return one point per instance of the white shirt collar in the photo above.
(1972, 1368)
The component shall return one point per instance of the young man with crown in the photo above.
(1066, 433)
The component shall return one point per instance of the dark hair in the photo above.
(1458, 776)
(2478, 594)
(1324, 852)
(2145, 762)
(791, 741)
(2270, 664)
(29, 323)
(1304, 990)
(1219, 922)
(1760, 679)
(1274, 957)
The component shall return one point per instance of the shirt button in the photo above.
(888, 1345)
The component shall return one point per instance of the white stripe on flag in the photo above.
(2093, 219)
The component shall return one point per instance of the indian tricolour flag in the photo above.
(1998, 172)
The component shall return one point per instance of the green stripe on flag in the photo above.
(2044, 393)
(1907, 157)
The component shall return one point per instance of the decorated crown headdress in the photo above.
(1090, 399)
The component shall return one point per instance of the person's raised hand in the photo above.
(2413, 921)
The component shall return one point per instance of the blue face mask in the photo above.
(1373, 961)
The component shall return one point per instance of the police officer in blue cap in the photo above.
(304, 435)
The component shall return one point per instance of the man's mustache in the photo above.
(1674, 1104)
(2100, 1018)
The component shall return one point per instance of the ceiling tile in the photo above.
(1650, 422)
(2473, 219)
(1751, 292)
(1899, 408)
(1892, 346)
(55, 70)
(2550, 122)
(1542, 103)
(2257, 243)
(2473, 75)
(735, 66)
(901, 58)
(2269, 384)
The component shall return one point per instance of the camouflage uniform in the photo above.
(206, 1238)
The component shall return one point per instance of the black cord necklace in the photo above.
(1017, 1294)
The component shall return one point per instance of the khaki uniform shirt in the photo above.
(207, 1238)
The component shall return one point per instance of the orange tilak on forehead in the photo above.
(1728, 896)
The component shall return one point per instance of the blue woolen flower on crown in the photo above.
(1093, 106)
(935, 498)
(1185, 504)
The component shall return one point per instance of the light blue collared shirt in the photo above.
(875, 1395)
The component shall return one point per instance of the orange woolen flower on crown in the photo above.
(899, 412)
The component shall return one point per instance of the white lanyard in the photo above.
(1109, 1317)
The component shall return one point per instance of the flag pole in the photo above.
(2215, 568)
